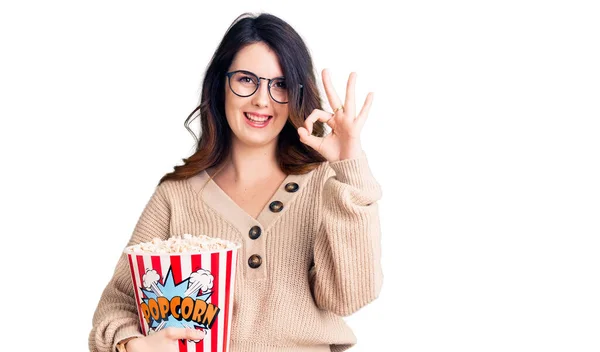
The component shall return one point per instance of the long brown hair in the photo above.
(214, 144)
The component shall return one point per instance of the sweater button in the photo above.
(292, 187)
(254, 261)
(254, 232)
(276, 206)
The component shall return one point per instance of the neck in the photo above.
(248, 164)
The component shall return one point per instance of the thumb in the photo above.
(310, 140)
(183, 334)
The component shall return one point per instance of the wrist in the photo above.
(353, 152)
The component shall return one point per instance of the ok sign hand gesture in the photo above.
(344, 140)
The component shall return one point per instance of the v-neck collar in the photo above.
(220, 201)
(253, 248)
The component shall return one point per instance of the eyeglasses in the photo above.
(245, 83)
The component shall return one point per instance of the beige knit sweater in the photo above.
(320, 258)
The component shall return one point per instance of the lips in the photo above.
(257, 120)
(257, 117)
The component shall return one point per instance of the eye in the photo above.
(280, 84)
(245, 79)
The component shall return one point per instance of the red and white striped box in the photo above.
(186, 290)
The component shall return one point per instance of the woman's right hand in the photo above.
(165, 340)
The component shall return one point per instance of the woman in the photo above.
(264, 174)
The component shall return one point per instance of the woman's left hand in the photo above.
(344, 140)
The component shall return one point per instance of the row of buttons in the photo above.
(255, 260)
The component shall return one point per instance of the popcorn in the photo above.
(182, 244)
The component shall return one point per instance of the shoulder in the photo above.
(315, 179)
(171, 189)
(322, 171)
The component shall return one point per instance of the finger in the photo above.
(319, 115)
(310, 140)
(364, 112)
(183, 334)
(332, 97)
(349, 104)
(195, 334)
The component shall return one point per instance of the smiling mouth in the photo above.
(257, 119)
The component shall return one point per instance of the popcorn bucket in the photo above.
(186, 290)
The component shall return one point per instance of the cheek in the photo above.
(282, 111)
(282, 117)
(232, 105)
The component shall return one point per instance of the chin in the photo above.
(257, 142)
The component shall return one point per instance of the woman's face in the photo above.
(256, 120)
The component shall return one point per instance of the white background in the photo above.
(484, 135)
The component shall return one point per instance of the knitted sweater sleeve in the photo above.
(347, 272)
(116, 316)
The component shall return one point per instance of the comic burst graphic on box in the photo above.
(183, 304)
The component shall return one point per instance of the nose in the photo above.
(261, 97)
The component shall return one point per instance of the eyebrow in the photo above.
(280, 76)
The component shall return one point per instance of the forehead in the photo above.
(257, 58)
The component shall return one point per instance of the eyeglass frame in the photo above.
(269, 80)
